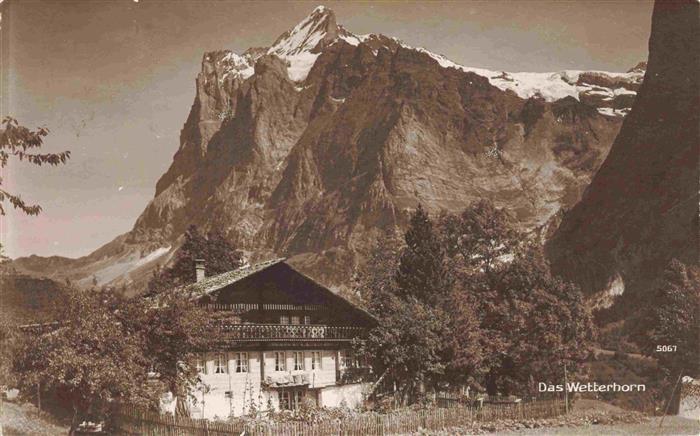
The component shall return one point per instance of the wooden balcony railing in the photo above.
(246, 307)
(257, 332)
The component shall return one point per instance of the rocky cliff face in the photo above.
(313, 146)
(641, 209)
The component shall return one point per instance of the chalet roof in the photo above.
(214, 283)
(220, 281)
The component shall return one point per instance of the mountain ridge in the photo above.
(312, 147)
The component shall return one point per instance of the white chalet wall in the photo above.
(247, 388)
(349, 395)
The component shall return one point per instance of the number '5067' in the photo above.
(665, 348)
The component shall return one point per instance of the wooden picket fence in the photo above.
(133, 421)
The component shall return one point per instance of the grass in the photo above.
(25, 419)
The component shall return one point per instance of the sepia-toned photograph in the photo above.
(350, 217)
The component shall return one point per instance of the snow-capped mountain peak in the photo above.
(303, 44)
(310, 35)
(610, 93)
(371, 127)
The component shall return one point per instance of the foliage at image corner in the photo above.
(671, 317)
(667, 316)
(22, 143)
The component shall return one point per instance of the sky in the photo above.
(114, 81)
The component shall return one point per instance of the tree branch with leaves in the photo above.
(23, 144)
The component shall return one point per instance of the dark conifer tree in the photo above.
(218, 254)
(423, 273)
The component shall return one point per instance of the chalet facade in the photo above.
(283, 339)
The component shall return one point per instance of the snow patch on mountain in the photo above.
(240, 65)
(298, 66)
(155, 254)
(124, 266)
(550, 86)
(351, 38)
(610, 112)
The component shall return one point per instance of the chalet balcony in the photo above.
(249, 307)
(272, 332)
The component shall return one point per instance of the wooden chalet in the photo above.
(281, 339)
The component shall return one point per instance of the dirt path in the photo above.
(610, 353)
(672, 425)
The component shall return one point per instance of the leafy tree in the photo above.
(524, 323)
(22, 143)
(173, 329)
(173, 326)
(536, 323)
(88, 363)
(468, 344)
(407, 288)
(472, 301)
(480, 236)
(219, 256)
(11, 340)
(410, 344)
(672, 317)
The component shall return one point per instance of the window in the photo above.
(298, 361)
(201, 365)
(220, 364)
(346, 359)
(307, 319)
(279, 361)
(241, 362)
(297, 398)
(296, 320)
(315, 360)
(291, 399)
(285, 398)
(284, 319)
